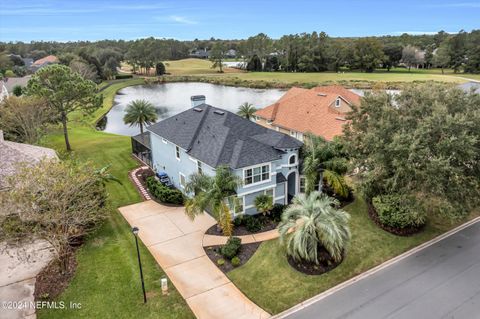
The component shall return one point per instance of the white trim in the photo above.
(279, 198)
(180, 174)
(262, 181)
(372, 271)
(258, 190)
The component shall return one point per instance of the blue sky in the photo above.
(25, 20)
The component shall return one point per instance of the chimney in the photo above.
(197, 100)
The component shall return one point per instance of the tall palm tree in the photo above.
(316, 223)
(140, 112)
(210, 193)
(325, 159)
(246, 110)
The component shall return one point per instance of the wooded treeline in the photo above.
(305, 52)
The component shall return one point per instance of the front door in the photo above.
(291, 186)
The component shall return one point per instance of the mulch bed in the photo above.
(408, 231)
(51, 282)
(267, 224)
(310, 268)
(246, 252)
(142, 176)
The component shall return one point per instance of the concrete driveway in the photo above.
(440, 281)
(176, 244)
(18, 268)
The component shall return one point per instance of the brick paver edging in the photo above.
(138, 185)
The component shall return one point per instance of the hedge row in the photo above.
(164, 193)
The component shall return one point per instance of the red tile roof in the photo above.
(311, 110)
(47, 59)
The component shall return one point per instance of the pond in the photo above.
(172, 98)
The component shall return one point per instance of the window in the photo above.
(337, 103)
(183, 180)
(199, 167)
(235, 204)
(177, 152)
(256, 174)
(302, 184)
(292, 159)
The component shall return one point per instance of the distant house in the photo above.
(231, 53)
(10, 83)
(200, 53)
(51, 59)
(320, 110)
(13, 154)
(205, 137)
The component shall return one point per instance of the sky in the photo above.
(69, 20)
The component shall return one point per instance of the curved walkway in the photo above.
(214, 240)
(176, 243)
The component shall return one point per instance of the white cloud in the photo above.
(181, 20)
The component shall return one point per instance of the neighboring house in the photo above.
(320, 111)
(200, 53)
(231, 53)
(204, 137)
(10, 83)
(470, 86)
(51, 59)
(13, 154)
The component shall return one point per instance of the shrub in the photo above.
(17, 90)
(221, 262)
(238, 221)
(123, 76)
(9, 74)
(251, 223)
(231, 248)
(163, 193)
(399, 211)
(236, 261)
(277, 211)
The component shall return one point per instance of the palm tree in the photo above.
(263, 203)
(314, 222)
(325, 159)
(140, 112)
(246, 110)
(210, 193)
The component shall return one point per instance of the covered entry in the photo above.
(291, 186)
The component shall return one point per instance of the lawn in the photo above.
(107, 282)
(203, 67)
(269, 281)
(193, 67)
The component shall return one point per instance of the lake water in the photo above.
(172, 98)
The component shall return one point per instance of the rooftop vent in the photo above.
(197, 100)
(340, 118)
(321, 94)
(197, 109)
(218, 112)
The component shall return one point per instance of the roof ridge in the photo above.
(200, 124)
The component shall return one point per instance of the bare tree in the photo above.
(59, 202)
(25, 119)
(85, 70)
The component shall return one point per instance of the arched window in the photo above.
(292, 159)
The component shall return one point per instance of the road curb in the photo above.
(374, 270)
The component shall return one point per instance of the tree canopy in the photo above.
(424, 142)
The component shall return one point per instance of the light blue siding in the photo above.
(164, 159)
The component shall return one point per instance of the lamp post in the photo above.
(135, 231)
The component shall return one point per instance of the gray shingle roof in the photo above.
(223, 139)
(13, 154)
(143, 139)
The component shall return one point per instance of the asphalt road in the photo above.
(440, 281)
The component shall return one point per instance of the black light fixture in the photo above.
(135, 231)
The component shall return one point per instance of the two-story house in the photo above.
(320, 111)
(204, 137)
